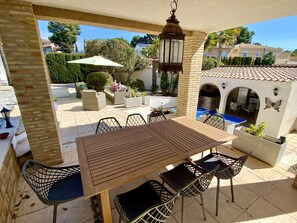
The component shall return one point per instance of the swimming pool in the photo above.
(228, 118)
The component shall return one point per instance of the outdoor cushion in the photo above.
(68, 188)
(138, 200)
(210, 162)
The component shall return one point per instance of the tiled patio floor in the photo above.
(262, 193)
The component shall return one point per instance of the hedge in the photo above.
(63, 72)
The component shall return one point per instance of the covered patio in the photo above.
(20, 39)
(262, 193)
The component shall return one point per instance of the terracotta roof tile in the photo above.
(263, 73)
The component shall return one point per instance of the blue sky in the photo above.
(276, 33)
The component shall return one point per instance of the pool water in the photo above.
(228, 118)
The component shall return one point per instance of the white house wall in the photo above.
(289, 122)
(271, 117)
(145, 75)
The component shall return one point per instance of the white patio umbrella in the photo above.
(97, 60)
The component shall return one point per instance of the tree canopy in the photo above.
(92, 47)
(117, 50)
(245, 35)
(222, 38)
(268, 59)
(146, 39)
(152, 50)
(64, 35)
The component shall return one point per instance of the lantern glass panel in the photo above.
(180, 51)
(167, 50)
(161, 50)
(174, 51)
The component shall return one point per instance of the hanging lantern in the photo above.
(171, 44)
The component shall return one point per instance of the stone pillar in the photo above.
(29, 76)
(189, 80)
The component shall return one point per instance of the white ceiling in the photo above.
(201, 15)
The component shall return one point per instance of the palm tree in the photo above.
(222, 38)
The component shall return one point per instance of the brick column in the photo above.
(189, 80)
(29, 76)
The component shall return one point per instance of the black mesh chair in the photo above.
(150, 202)
(228, 168)
(189, 180)
(217, 121)
(108, 124)
(53, 185)
(135, 120)
(156, 116)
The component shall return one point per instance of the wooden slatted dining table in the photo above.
(108, 160)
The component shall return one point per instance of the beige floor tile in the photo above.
(70, 157)
(30, 203)
(242, 195)
(78, 210)
(265, 171)
(253, 182)
(245, 217)
(228, 211)
(285, 201)
(285, 184)
(193, 213)
(264, 211)
(44, 215)
(187, 201)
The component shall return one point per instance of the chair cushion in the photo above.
(66, 189)
(210, 162)
(138, 200)
(178, 177)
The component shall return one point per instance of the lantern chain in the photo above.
(173, 6)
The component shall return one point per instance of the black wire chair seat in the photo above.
(189, 180)
(216, 120)
(150, 202)
(107, 124)
(228, 167)
(135, 120)
(156, 116)
(53, 185)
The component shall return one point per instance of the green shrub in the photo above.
(257, 61)
(62, 72)
(109, 78)
(164, 83)
(256, 130)
(97, 80)
(137, 84)
(209, 63)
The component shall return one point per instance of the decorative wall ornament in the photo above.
(270, 104)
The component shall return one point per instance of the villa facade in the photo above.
(249, 50)
(272, 89)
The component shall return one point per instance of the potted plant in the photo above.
(97, 82)
(145, 98)
(266, 148)
(132, 99)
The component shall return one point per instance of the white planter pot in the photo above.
(146, 100)
(266, 150)
(132, 102)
